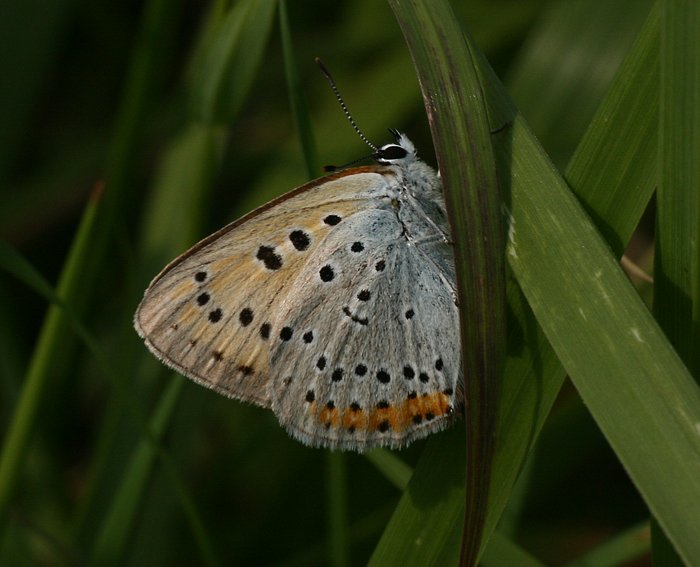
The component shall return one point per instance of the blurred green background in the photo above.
(100, 93)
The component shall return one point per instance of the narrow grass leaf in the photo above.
(51, 342)
(607, 173)
(453, 98)
(173, 219)
(297, 100)
(677, 269)
(426, 526)
(117, 528)
(226, 66)
(677, 254)
(392, 467)
(14, 263)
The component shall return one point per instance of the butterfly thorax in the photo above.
(419, 201)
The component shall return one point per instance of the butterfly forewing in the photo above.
(210, 313)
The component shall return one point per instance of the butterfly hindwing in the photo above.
(373, 359)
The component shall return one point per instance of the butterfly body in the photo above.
(333, 305)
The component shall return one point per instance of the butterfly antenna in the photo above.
(336, 92)
(329, 168)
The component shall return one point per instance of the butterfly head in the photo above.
(401, 152)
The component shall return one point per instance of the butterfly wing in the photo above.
(209, 313)
(373, 356)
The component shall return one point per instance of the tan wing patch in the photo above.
(210, 313)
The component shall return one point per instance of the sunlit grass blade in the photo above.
(614, 176)
(631, 379)
(531, 180)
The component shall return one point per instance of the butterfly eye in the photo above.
(391, 152)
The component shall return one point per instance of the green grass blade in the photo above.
(426, 526)
(12, 262)
(51, 342)
(173, 217)
(501, 552)
(110, 544)
(575, 49)
(608, 173)
(632, 381)
(452, 93)
(392, 467)
(91, 241)
(677, 269)
(297, 101)
(677, 255)
(227, 63)
(526, 186)
(614, 176)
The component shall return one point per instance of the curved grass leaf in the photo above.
(555, 233)
(452, 94)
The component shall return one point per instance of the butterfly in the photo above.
(333, 305)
